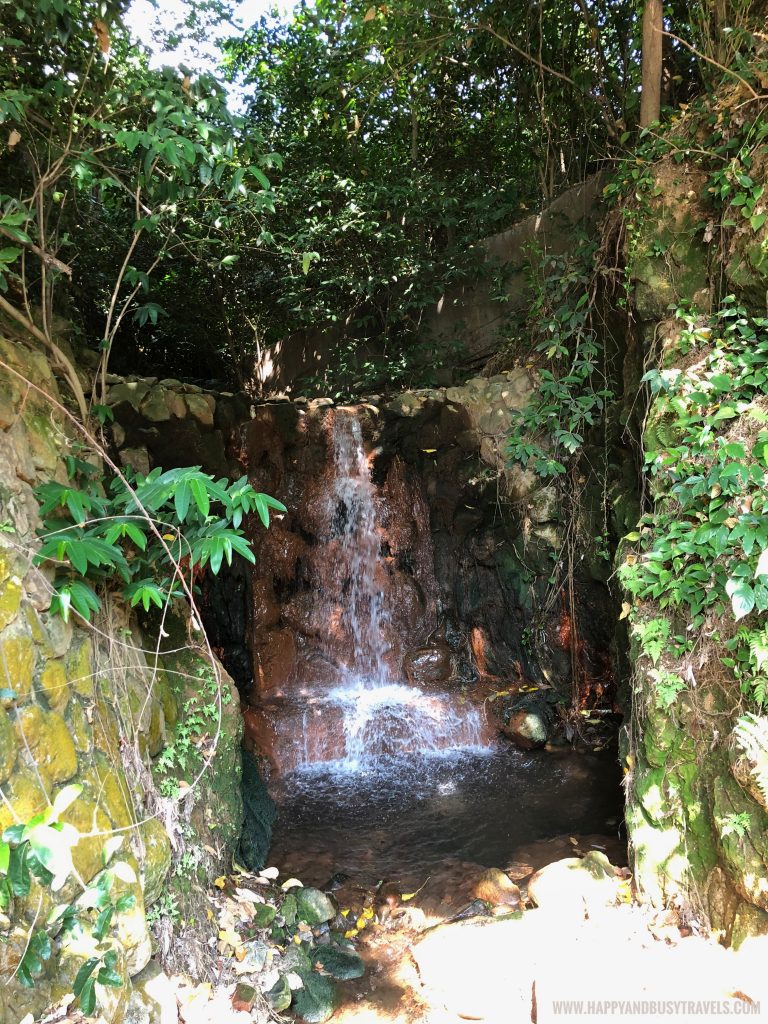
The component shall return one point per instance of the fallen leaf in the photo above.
(370, 14)
(269, 873)
(292, 883)
(626, 608)
(220, 882)
(14, 138)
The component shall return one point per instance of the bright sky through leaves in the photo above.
(148, 21)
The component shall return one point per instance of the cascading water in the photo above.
(365, 712)
(352, 520)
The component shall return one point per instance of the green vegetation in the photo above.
(148, 532)
(41, 848)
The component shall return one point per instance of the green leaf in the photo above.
(742, 596)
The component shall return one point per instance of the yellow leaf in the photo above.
(368, 913)
(370, 14)
(229, 936)
(169, 536)
(626, 608)
(360, 923)
(429, 451)
(220, 882)
(630, 559)
(351, 933)
(408, 895)
(101, 32)
(297, 939)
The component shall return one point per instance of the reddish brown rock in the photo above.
(265, 611)
(497, 889)
(274, 662)
(426, 665)
(279, 552)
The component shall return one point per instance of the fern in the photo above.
(668, 685)
(751, 734)
(736, 824)
(653, 636)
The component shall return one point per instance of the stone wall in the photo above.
(684, 779)
(497, 532)
(91, 704)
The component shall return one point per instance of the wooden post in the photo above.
(653, 25)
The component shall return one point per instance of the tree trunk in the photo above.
(653, 25)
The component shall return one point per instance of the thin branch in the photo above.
(46, 257)
(710, 60)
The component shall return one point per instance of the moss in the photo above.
(748, 923)
(10, 601)
(27, 793)
(17, 660)
(745, 857)
(79, 666)
(106, 731)
(54, 684)
(79, 727)
(156, 862)
(259, 813)
(46, 735)
(156, 736)
(87, 817)
(7, 746)
(114, 795)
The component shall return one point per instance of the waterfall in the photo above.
(352, 522)
(365, 713)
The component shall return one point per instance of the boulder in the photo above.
(528, 729)
(575, 885)
(425, 665)
(497, 889)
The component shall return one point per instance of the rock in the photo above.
(154, 407)
(7, 746)
(426, 665)
(482, 969)
(136, 458)
(316, 1000)
(575, 885)
(340, 964)
(244, 998)
(47, 737)
(263, 915)
(496, 888)
(55, 686)
(294, 961)
(201, 407)
(274, 662)
(527, 729)
(313, 906)
(153, 1000)
(10, 601)
(279, 996)
(265, 611)
(131, 392)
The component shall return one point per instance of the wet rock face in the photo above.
(426, 665)
(496, 532)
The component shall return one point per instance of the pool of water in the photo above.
(405, 817)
